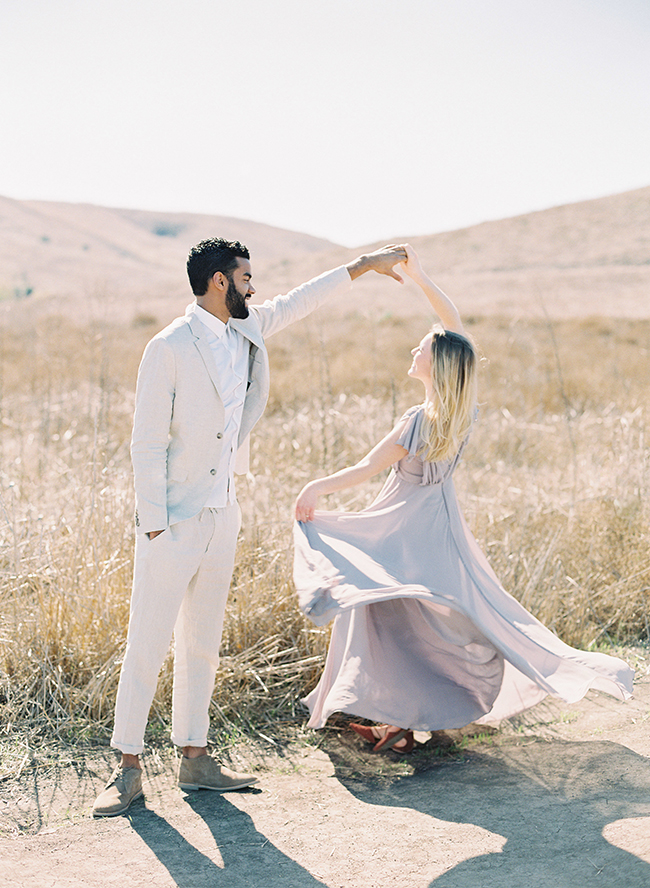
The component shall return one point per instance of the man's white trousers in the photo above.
(180, 587)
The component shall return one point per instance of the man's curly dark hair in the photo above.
(208, 257)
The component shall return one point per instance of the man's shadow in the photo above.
(551, 802)
(246, 854)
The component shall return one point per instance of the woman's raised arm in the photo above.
(440, 302)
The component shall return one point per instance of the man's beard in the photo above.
(235, 302)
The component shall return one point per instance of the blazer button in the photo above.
(219, 435)
(213, 471)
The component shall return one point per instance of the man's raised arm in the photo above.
(382, 261)
(277, 313)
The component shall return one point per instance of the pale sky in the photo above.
(355, 120)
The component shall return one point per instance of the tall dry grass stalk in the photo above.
(554, 485)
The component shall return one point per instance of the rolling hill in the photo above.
(591, 257)
(61, 250)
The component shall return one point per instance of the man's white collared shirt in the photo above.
(230, 352)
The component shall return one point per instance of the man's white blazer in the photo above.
(179, 416)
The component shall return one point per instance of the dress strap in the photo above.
(410, 440)
(410, 437)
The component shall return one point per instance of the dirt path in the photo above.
(561, 800)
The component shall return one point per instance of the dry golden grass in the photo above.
(554, 485)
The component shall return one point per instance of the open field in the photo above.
(554, 485)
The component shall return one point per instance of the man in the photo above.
(203, 383)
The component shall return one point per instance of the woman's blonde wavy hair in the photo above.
(448, 420)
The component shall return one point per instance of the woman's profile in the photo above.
(424, 635)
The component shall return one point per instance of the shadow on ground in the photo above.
(552, 801)
(245, 853)
(467, 810)
(61, 788)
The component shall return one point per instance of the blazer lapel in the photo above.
(250, 328)
(204, 349)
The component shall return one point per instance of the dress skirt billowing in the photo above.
(424, 636)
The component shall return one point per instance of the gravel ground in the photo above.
(560, 799)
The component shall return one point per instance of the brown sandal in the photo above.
(390, 738)
(367, 732)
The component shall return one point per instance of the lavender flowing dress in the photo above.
(424, 636)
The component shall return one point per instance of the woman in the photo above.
(424, 636)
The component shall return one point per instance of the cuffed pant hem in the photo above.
(200, 744)
(126, 749)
